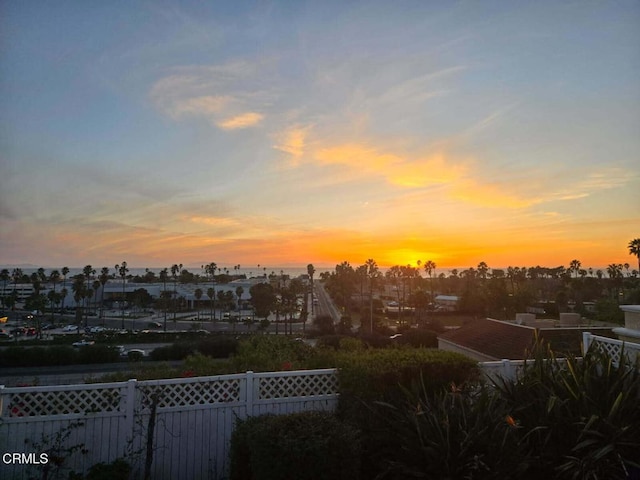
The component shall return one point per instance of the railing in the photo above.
(193, 420)
(613, 347)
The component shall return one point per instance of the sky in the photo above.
(295, 132)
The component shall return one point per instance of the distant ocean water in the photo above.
(249, 272)
(292, 271)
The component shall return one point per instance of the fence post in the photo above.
(586, 342)
(507, 369)
(130, 409)
(249, 379)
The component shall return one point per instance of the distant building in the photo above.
(447, 303)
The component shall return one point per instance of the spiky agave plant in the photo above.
(579, 417)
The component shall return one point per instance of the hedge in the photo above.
(300, 446)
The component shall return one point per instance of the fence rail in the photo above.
(192, 423)
(510, 369)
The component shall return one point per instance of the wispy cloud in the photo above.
(244, 120)
(225, 95)
(207, 106)
(293, 142)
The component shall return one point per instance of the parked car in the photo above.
(135, 354)
(83, 343)
(5, 336)
(70, 328)
(154, 325)
(18, 331)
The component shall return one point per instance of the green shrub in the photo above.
(330, 341)
(381, 374)
(301, 446)
(267, 353)
(218, 347)
(108, 471)
(374, 376)
(59, 355)
(38, 356)
(175, 351)
(97, 354)
(203, 365)
(419, 338)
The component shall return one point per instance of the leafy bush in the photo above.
(419, 338)
(97, 354)
(330, 341)
(369, 377)
(381, 374)
(218, 347)
(119, 468)
(301, 446)
(176, 351)
(267, 353)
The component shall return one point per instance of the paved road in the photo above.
(325, 303)
(66, 374)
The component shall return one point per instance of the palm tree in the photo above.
(54, 278)
(574, 266)
(373, 274)
(483, 269)
(210, 270)
(634, 249)
(310, 271)
(122, 270)
(198, 295)
(95, 285)
(104, 278)
(614, 270)
(239, 292)
(175, 269)
(16, 275)
(211, 293)
(88, 271)
(79, 290)
(4, 277)
(164, 275)
(65, 272)
(430, 269)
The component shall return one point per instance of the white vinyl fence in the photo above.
(194, 418)
(510, 369)
(613, 347)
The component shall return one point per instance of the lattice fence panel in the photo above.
(614, 350)
(297, 386)
(611, 349)
(64, 402)
(192, 393)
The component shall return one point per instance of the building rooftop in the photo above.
(504, 340)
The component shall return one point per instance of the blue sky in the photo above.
(285, 133)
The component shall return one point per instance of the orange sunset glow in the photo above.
(294, 133)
